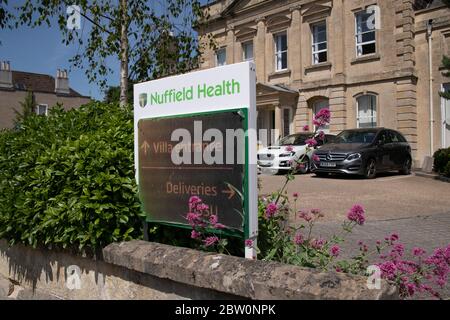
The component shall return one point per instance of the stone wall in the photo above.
(145, 270)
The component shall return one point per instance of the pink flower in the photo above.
(195, 234)
(209, 241)
(219, 226)
(202, 207)
(356, 214)
(335, 250)
(317, 243)
(316, 212)
(289, 148)
(388, 270)
(193, 202)
(249, 243)
(271, 209)
(311, 142)
(321, 135)
(295, 195)
(213, 219)
(393, 237)
(305, 215)
(322, 118)
(193, 218)
(315, 158)
(306, 128)
(298, 239)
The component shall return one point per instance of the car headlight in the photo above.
(286, 155)
(354, 156)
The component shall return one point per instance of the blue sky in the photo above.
(40, 50)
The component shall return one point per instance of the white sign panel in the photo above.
(219, 89)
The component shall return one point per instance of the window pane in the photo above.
(367, 113)
(368, 48)
(366, 37)
(221, 57)
(248, 51)
(42, 110)
(281, 42)
(284, 60)
(322, 57)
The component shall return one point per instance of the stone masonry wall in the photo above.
(145, 270)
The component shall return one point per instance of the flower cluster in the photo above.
(203, 222)
(418, 274)
(322, 118)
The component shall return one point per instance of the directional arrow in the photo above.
(231, 192)
(145, 146)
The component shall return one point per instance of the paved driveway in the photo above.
(387, 197)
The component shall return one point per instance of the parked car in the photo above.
(364, 152)
(278, 158)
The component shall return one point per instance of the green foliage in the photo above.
(67, 180)
(27, 107)
(158, 33)
(446, 64)
(112, 94)
(442, 162)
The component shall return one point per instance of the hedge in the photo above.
(442, 162)
(68, 179)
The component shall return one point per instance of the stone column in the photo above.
(294, 55)
(338, 109)
(278, 122)
(260, 49)
(337, 44)
(407, 113)
(231, 42)
(302, 114)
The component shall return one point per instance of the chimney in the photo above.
(62, 82)
(5, 75)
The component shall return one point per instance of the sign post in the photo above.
(195, 134)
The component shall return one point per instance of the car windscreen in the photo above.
(355, 137)
(295, 139)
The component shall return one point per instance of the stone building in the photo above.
(367, 60)
(47, 92)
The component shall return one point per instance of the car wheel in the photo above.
(371, 169)
(305, 167)
(406, 169)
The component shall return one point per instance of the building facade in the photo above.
(367, 60)
(47, 92)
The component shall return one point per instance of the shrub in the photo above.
(68, 179)
(441, 163)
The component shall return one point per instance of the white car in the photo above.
(283, 155)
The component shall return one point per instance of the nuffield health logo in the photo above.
(143, 100)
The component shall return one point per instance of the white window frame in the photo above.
(315, 45)
(444, 117)
(359, 45)
(217, 56)
(42, 105)
(373, 117)
(279, 53)
(244, 45)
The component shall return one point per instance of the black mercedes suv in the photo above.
(364, 152)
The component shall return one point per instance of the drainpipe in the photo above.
(430, 68)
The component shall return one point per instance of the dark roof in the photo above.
(38, 83)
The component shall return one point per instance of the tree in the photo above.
(27, 107)
(135, 32)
